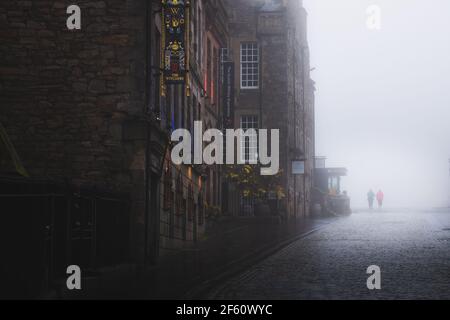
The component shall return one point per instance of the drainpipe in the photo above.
(260, 97)
(304, 128)
(294, 77)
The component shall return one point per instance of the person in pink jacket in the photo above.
(380, 199)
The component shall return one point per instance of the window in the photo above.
(167, 198)
(170, 121)
(156, 80)
(249, 143)
(194, 109)
(177, 117)
(249, 65)
(214, 76)
(214, 201)
(201, 210)
(200, 36)
(179, 208)
(208, 76)
(184, 123)
(190, 204)
(208, 187)
(224, 55)
(193, 34)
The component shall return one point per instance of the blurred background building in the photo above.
(274, 90)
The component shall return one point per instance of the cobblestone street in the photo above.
(412, 248)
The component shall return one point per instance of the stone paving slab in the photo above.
(232, 245)
(412, 248)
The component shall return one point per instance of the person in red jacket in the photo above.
(380, 199)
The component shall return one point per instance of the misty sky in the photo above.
(383, 97)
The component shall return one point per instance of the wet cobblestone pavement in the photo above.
(412, 248)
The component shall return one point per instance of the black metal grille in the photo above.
(46, 227)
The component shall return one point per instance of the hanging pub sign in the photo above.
(175, 33)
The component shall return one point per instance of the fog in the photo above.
(383, 97)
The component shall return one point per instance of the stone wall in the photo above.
(73, 101)
(65, 93)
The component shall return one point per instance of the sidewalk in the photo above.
(232, 246)
(228, 249)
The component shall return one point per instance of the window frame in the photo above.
(249, 64)
(249, 121)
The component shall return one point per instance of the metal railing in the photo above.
(47, 227)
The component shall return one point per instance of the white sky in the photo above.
(383, 97)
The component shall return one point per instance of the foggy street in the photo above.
(411, 248)
(215, 150)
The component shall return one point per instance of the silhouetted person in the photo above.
(370, 198)
(380, 198)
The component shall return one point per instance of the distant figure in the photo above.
(370, 198)
(380, 198)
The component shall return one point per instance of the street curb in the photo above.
(239, 265)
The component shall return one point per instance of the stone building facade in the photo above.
(85, 109)
(274, 90)
(74, 101)
(90, 120)
(184, 219)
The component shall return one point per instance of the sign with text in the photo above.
(228, 94)
(298, 167)
(175, 16)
